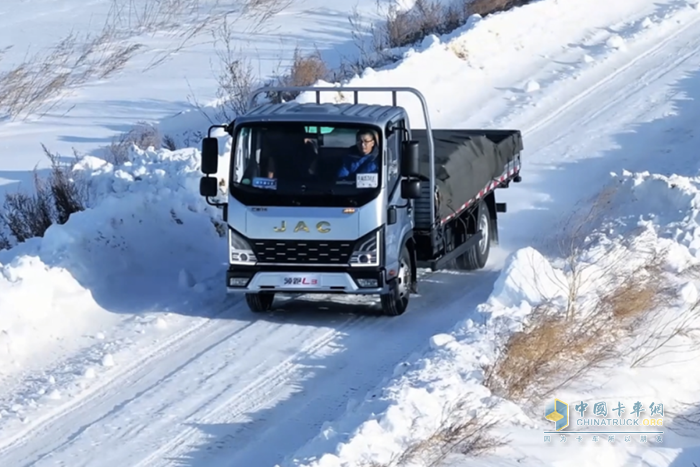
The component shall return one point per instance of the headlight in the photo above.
(240, 251)
(366, 251)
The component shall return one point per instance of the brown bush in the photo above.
(143, 135)
(559, 344)
(54, 199)
(305, 70)
(486, 7)
(427, 17)
(548, 353)
(457, 433)
(407, 27)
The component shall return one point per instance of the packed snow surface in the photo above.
(118, 346)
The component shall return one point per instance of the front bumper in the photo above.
(306, 280)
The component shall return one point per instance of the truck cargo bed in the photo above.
(466, 163)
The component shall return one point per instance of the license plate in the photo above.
(301, 281)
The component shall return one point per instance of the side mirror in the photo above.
(210, 155)
(410, 159)
(208, 187)
(410, 189)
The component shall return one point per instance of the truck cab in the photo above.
(322, 198)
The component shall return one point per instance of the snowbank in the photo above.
(489, 53)
(661, 212)
(146, 243)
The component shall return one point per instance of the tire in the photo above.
(396, 301)
(260, 302)
(477, 256)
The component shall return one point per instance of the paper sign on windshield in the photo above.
(265, 183)
(367, 181)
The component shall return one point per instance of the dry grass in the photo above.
(54, 199)
(36, 85)
(156, 15)
(304, 70)
(403, 28)
(561, 341)
(374, 43)
(659, 335)
(144, 136)
(236, 77)
(486, 7)
(549, 352)
(457, 433)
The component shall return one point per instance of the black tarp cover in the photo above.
(466, 161)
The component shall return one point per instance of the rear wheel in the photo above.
(396, 301)
(260, 302)
(478, 255)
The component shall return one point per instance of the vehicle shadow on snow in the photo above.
(363, 352)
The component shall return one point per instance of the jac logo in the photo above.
(321, 227)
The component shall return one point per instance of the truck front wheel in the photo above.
(260, 302)
(395, 302)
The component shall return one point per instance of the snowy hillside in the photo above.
(119, 347)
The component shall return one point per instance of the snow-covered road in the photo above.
(231, 388)
(247, 381)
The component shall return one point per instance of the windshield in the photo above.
(287, 164)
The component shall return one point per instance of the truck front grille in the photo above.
(303, 251)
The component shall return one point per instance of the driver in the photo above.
(362, 157)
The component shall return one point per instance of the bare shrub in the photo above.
(635, 296)
(249, 17)
(5, 243)
(55, 198)
(402, 28)
(41, 80)
(486, 7)
(561, 341)
(152, 15)
(549, 352)
(169, 143)
(37, 83)
(659, 335)
(457, 433)
(370, 42)
(143, 135)
(305, 70)
(407, 27)
(236, 77)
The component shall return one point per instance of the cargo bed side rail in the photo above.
(356, 100)
(511, 173)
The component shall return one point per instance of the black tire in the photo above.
(477, 256)
(260, 302)
(396, 301)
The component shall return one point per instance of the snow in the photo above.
(117, 346)
(412, 407)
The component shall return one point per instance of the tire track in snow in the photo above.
(130, 380)
(654, 74)
(124, 373)
(171, 345)
(271, 388)
(147, 416)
